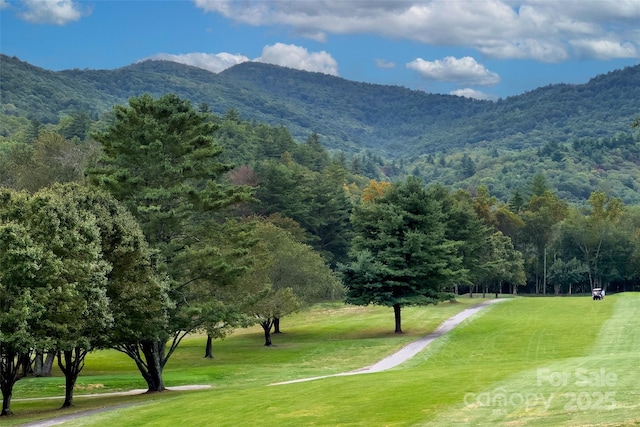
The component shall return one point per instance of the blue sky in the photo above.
(478, 48)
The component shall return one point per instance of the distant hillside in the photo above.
(347, 115)
(35, 92)
(364, 115)
(578, 135)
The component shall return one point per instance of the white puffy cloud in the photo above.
(292, 56)
(58, 12)
(286, 55)
(543, 30)
(474, 94)
(464, 71)
(3, 4)
(214, 62)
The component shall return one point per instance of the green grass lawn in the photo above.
(528, 361)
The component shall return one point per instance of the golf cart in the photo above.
(597, 293)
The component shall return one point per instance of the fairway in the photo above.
(530, 361)
(596, 385)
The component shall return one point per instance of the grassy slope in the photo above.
(512, 349)
(330, 338)
(583, 357)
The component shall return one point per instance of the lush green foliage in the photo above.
(46, 159)
(579, 135)
(303, 183)
(401, 253)
(286, 276)
(64, 288)
(159, 158)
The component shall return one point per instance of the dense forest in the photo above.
(579, 136)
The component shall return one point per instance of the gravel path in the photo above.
(411, 349)
(64, 418)
(402, 355)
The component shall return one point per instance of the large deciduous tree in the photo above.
(401, 254)
(77, 310)
(562, 275)
(297, 266)
(22, 300)
(160, 159)
(52, 284)
(286, 276)
(137, 294)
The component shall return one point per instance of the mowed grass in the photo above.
(329, 338)
(527, 361)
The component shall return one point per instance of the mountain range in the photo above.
(396, 123)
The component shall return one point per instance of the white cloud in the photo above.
(463, 71)
(382, 63)
(58, 12)
(292, 56)
(540, 50)
(3, 4)
(604, 49)
(543, 30)
(286, 55)
(214, 62)
(474, 94)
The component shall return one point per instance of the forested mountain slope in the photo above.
(577, 131)
(347, 115)
(404, 122)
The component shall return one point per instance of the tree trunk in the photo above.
(208, 351)
(38, 364)
(42, 365)
(154, 353)
(8, 376)
(6, 402)
(71, 367)
(544, 280)
(398, 317)
(149, 358)
(276, 325)
(25, 364)
(48, 364)
(266, 326)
